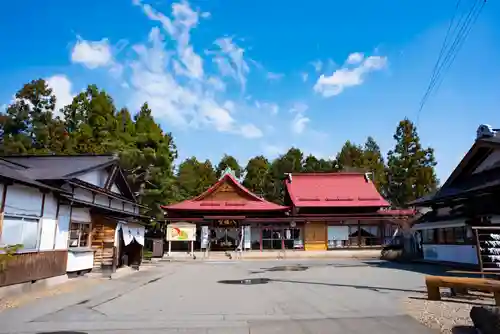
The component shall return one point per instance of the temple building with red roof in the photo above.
(322, 211)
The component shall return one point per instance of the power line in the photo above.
(461, 31)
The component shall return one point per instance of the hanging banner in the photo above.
(181, 232)
(204, 237)
(247, 241)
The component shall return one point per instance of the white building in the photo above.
(69, 213)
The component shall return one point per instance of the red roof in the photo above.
(248, 201)
(333, 190)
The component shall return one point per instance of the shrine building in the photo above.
(321, 211)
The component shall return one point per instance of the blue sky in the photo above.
(257, 77)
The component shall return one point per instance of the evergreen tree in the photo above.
(350, 157)
(290, 162)
(228, 161)
(374, 163)
(194, 177)
(410, 167)
(256, 173)
(315, 165)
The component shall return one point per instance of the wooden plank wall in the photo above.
(315, 236)
(27, 267)
(103, 241)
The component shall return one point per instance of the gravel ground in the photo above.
(25, 298)
(450, 315)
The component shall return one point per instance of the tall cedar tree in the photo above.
(374, 163)
(228, 161)
(350, 157)
(194, 177)
(290, 162)
(410, 167)
(256, 173)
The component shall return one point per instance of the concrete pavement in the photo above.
(319, 296)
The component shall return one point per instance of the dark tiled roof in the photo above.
(7, 171)
(32, 170)
(52, 167)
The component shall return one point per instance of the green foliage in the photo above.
(228, 161)
(7, 254)
(194, 177)
(91, 123)
(255, 175)
(410, 167)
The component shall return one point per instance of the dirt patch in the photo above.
(29, 297)
(450, 315)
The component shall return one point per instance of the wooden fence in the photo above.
(28, 267)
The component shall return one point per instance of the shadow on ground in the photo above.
(422, 268)
(62, 332)
(464, 330)
(253, 281)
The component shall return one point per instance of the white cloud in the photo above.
(92, 54)
(318, 65)
(172, 79)
(274, 76)
(62, 89)
(230, 60)
(270, 107)
(299, 121)
(304, 76)
(349, 76)
(251, 131)
(355, 58)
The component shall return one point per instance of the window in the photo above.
(429, 236)
(79, 235)
(449, 236)
(20, 230)
(459, 233)
(293, 238)
(272, 237)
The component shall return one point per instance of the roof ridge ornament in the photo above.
(228, 171)
(486, 131)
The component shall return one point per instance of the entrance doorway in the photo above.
(225, 235)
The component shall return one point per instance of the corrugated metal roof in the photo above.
(333, 190)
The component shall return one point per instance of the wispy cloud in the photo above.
(353, 73)
(299, 121)
(92, 54)
(171, 76)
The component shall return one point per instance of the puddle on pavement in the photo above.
(287, 268)
(249, 281)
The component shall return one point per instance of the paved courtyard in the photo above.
(306, 296)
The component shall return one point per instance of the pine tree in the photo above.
(410, 167)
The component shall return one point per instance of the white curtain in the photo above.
(133, 231)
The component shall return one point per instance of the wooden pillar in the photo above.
(260, 232)
(359, 233)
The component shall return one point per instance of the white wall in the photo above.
(115, 189)
(97, 177)
(451, 253)
(81, 215)
(80, 260)
(23, 200)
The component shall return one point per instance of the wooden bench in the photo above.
(433, 284)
